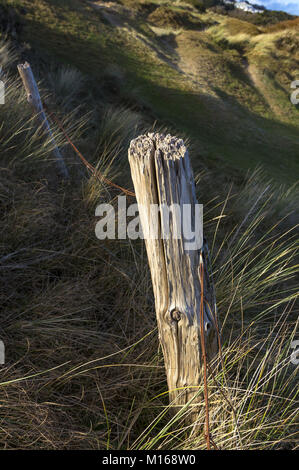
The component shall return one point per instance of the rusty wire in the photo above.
(88, 165)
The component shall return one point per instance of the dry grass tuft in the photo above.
(83, 365)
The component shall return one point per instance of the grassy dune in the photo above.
(199, 81)
(84, 369)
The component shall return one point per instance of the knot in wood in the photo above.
(175, 315)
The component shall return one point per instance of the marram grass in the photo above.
(84, 369)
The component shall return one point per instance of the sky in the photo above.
(290, 6)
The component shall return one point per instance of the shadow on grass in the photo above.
(224, 129)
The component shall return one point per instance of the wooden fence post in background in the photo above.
(162, 174)
(33, 98)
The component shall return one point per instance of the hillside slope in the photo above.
(222, 80)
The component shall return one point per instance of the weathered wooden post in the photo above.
(34, 99)
(162, 175)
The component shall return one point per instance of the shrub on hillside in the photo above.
(199, 4)
(260, 19)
